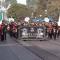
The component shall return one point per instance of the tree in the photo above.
(18, 10)
(52, 7)
(11, 1)
(7, 2)
(41, 7)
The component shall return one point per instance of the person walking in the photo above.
(50, 32)
(58, 32)
(11, 30)
(54, 33)
(5, 31)
(2, 32)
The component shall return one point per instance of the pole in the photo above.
(1, 3)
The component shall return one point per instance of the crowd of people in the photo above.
(53, 31)
(11, 29)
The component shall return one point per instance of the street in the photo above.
(11, 50)
(48, 50)
(29, 30)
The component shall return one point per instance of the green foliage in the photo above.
(41, 7)
(52, 6)
(7, 2)
(17, 10)
(54, 9)
(11, 1)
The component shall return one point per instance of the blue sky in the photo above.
(22, 1)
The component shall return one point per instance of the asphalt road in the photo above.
(11, 50)
(29, 50)
(48, 50)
